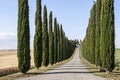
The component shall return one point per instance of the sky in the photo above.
(73, 15)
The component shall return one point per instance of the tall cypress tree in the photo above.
(23, 48)
(97, 33)
(93, 27)
(58, 41)
(61, 44)
(107, 47)
(45, 38)
(53, 46)
(63, 56)
(55, 40)
(51, 55)
(38, 36)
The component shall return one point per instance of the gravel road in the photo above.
(73, 70)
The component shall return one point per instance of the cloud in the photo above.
(7, 36)
(8, 40)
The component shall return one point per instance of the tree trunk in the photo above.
(102, 69)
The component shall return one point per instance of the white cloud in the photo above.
(8, 40)
(5, 36)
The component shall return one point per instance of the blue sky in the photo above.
(73, 15)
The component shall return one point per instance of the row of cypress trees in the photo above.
(50, 46)
(98, 46)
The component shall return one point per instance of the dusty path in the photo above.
(73, 70)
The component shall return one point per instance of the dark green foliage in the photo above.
(51, 46)
(45, 39)
(55, 40)
(98, 46)
(92, 33)
(64, 48)
(107, 47)
(48, 49)
(58, 41)
(61, 43)
(38, 36)
(69, 50)
(88, 46)
(97, 33)
(23, 48)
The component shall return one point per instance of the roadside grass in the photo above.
(115, 75)
(33, 71)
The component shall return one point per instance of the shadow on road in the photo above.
(70, 72)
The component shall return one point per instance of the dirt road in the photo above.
(73, 70)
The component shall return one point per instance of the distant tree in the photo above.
(55, 40)
(45, 38)
(107, 35)
(61, 43)
(51, 46)
(38, 36)
(23, 48)
(64, 48)
(58, 41)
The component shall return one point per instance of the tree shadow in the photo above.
(116, 73)
(60, 71)
(70, 72)
(72, 68)
(31, 74)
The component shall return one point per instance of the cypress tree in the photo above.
(66, 48)
(61, 43)
(88, 45)
(45, 38)
(93, 27)
(38, 36)
(107, 36)
(55, 40)
(58, 41)
(23, 48)
(51, 55)
(97, 32)
(63, 56)
(53, 47)
(62, 37)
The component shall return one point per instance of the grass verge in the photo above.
(115, 75)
